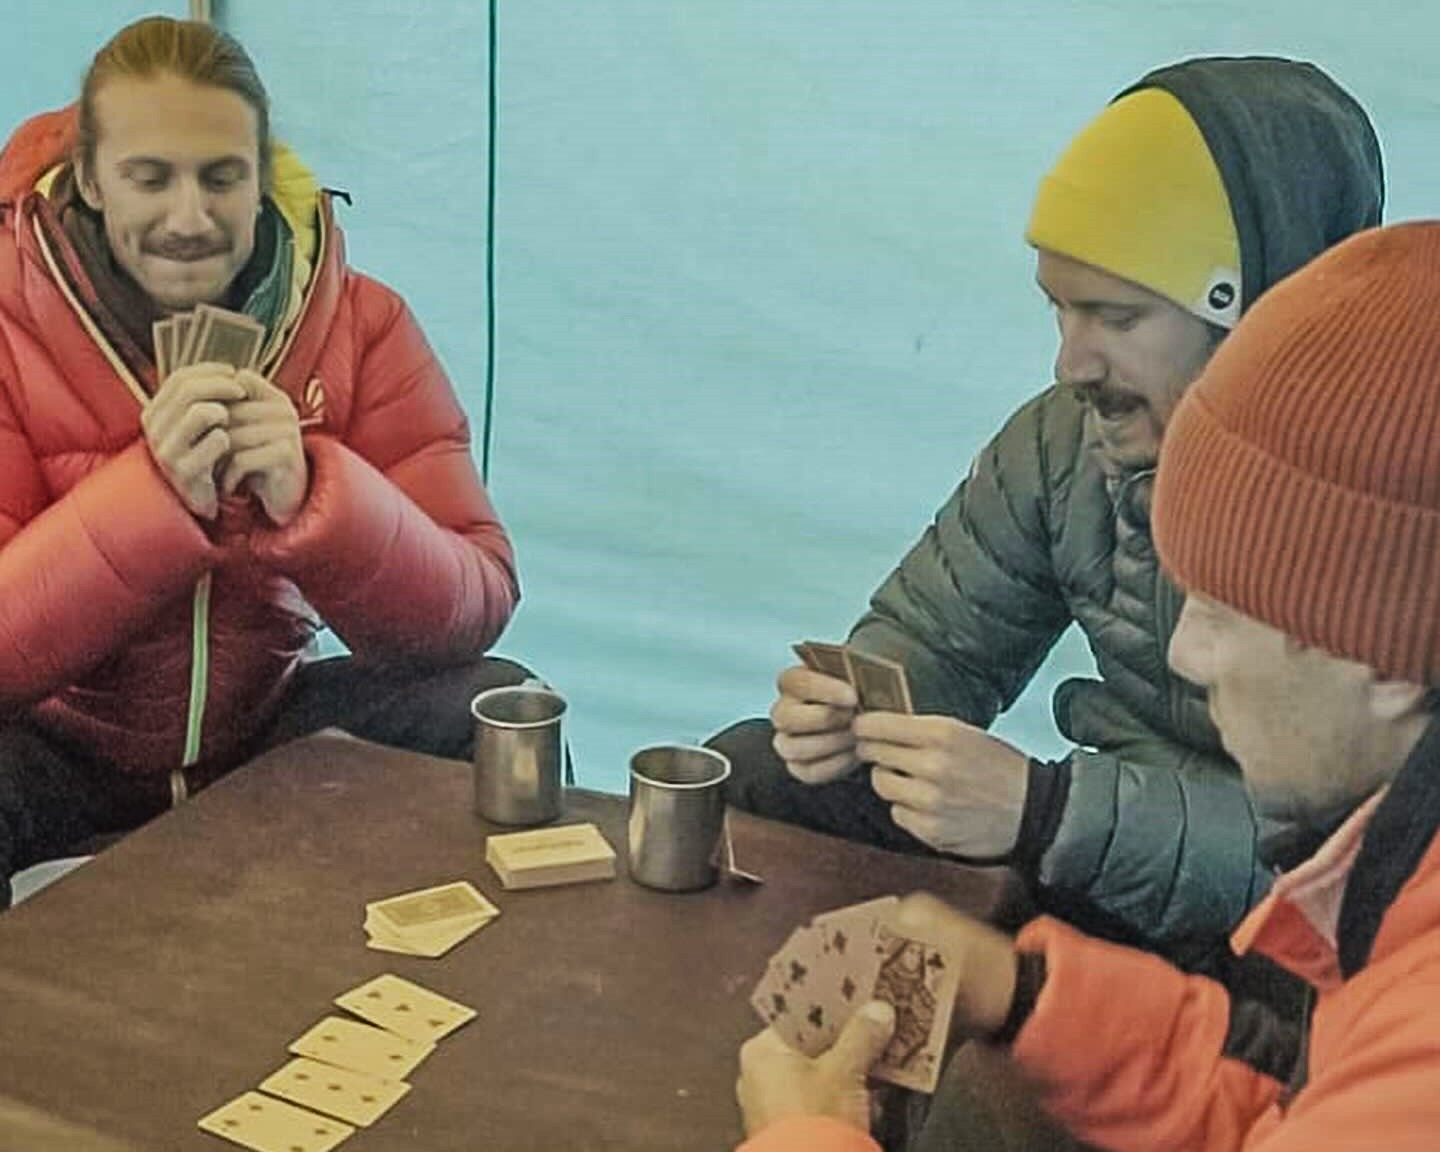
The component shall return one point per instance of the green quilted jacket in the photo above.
(1156, 829)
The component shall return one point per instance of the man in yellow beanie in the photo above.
(1163, 222)
(1298, 505)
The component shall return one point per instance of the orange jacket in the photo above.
(1132, 1054)
(809, 1134)
(149, 637)
(1319, 1031)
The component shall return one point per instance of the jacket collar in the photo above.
(1323, 918)
(1396, 842)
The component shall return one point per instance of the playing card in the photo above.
(445, 905)
(797, 996)
(827, 659)
(880, 683)
(225, 337)
(428, 942)
(406, 1009)
(182, 324)
(918, 980)
(772, 999)
(335, 1091)
(361, 1048)
(850, 956)
(265, 1125)
(160, 332)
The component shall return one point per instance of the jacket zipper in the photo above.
(199, 669)
(1300, 1072)
(1167, 601)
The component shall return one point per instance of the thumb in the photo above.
(862, 1040)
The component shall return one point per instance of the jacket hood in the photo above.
(1298, 156)
(36, 146)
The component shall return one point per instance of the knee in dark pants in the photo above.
(422, 708)
(442, 723)
(755, 768)
(761, 783)
(500, 672)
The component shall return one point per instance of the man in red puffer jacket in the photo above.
(170, 547)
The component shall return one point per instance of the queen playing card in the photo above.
(830, 967)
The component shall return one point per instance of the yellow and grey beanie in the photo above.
(1137, 194)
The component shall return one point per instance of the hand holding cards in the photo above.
(832, 966)
(815, 714)
(879, 683)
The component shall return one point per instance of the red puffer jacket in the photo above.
(155, 639)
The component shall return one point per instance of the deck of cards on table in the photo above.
(429, 922)
(346, 1073)
(879, 683)
(567, 854)
(830, 967)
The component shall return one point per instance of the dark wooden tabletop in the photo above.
(168, 975)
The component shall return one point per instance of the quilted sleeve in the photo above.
(81, 574)
(1129, 1053)
(397, 544)
(1167, 845)
(974, 607)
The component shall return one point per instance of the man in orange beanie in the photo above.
(1298, 505)
(1163, 221)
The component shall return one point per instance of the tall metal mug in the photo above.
(519, 750)
(677, 813)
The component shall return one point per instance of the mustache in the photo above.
(186, 247)
(1107, 402)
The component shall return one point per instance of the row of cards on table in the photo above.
(350, 1072)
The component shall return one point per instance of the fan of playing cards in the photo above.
(206, 335)
(830, 967)
(879, 684)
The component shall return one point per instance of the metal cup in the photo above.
(677, 810)
(518, 750)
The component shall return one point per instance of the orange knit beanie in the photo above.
(1299, 479)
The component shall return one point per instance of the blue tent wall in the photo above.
(761, 291)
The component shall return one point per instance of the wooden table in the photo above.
(168, 975)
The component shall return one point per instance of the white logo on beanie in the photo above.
(1219, 303)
